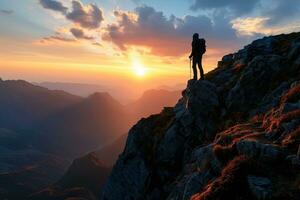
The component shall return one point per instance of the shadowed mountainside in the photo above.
(109, 153)
(42, 130)
(152, 101)
(84, 179)
(23, 105)
(232, 136)
(86, 125)
(58, 122)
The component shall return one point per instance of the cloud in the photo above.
(79, 34)
(283, 11)
(237, 6)
(89, 16)
(250, 26)
(53, 5)
(86, 16)
(57, 37)
(167, 36)
(6, 12)
(97, 44)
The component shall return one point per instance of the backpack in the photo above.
(202, 46)
(199, 46)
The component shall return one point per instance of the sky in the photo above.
(133, 45)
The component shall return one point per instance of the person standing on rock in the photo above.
(198, 49)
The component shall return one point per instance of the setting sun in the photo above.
(137, 65)
(140, 71)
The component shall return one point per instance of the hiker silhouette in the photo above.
(198, 49)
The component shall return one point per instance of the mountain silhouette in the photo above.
(43, 130)
(23, 105)
(86, 125)
(110, 153)
(84, 179)
(79, 89)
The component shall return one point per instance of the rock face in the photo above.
(261, 187)
(231, 136)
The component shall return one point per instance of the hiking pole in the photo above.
(190, 68)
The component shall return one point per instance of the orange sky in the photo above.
(85, 63)
(136, 45)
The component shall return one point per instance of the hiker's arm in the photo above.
(192, 53)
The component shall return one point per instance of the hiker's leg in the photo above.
(194, 69)
(201, 68)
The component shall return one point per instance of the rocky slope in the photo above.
(232, 136)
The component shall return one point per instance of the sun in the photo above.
(140, 71)
(138, 68)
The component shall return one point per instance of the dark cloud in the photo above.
(87, 17)
(169, 36)
(7, 12)
(79, 34)
(57, 38)
(237, 6)
(283, 11)
(53, 5)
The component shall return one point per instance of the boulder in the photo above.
(259, 150)
(261, 187)
(254, 82)
(204, 157)
(294, 52)
(189, 185)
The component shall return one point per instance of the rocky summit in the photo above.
(233, 136)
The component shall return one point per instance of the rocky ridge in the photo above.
(231, 136)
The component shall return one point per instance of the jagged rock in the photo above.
(130, 172)
(295, 51)
(204, 157)
(203, 104)
(271, 100)
(127, 181)
(226, 61)
(172, 146)
(174, 156)
(254, 81)
(190, 185)
(258, 150)
(202, 98)
(261, 187)
(294, 159)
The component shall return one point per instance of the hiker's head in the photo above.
(195, 36)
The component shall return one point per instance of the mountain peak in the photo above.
(226, 138)
(101, 95)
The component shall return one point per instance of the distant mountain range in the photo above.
(117, 91)
(42, 130)
(80, 89)
(57, 121)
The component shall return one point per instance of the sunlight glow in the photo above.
(140, 71)
(138, 68)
